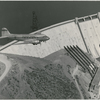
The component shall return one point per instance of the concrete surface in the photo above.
(62, 35)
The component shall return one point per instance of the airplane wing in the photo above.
(35, 33)
(31, 41)
(2, 37)
(8, 44)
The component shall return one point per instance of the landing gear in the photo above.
(34, 44)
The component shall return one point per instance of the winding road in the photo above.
(7, 63)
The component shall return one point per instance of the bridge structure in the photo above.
(83, 32)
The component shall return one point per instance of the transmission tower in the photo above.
(34, 26)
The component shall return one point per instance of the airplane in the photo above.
(32, 38)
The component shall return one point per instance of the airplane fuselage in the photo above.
(35, 39)
(24, 37)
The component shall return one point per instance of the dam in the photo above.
(83, 32)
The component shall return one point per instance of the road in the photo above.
(74, 73)
(7, 63)
(77, 85)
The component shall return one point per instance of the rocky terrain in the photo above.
(23, 77)
(38, 78)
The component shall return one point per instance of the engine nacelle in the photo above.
(32, 41)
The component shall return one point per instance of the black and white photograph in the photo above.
(49, 49)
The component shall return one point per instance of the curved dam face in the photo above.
(85, 34)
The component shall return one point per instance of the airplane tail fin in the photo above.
(5, 32)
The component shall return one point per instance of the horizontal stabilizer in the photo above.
(2, 37)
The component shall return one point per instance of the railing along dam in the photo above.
(83, 32)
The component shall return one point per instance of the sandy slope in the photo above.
(7, 63)
(31, 78)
